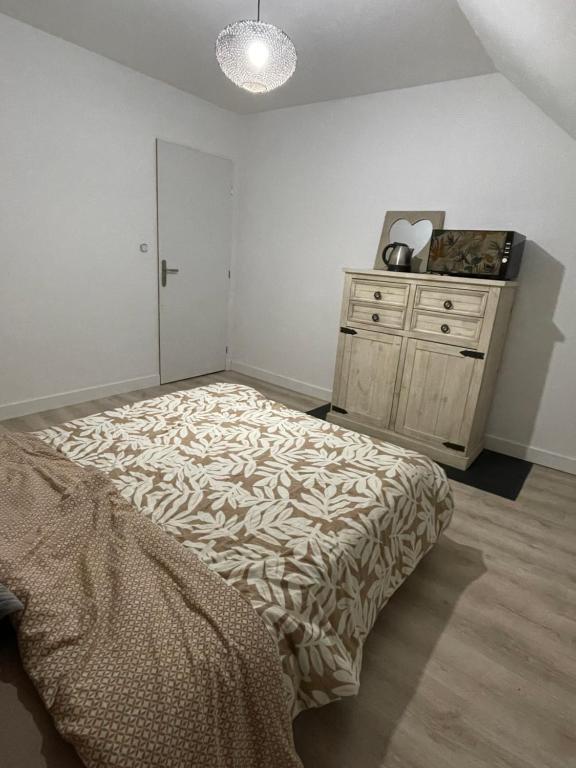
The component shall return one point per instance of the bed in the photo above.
(315, 525)
(310, 526)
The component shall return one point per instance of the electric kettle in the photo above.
(399, 258)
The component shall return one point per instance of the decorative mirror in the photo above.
(414, 228)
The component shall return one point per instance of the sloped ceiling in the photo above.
(532, 43)
(345, 47)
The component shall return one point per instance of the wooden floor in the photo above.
(471, 665)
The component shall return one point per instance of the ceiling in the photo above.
(533, 43)
(345, 47)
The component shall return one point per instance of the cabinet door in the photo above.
(368, 366)
(438, 393)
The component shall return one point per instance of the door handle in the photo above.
(167, 271)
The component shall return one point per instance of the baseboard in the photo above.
(36, 405)
(282, 381)
(531, 453)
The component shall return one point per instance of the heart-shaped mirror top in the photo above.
(414, 235)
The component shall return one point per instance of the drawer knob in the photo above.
(448, 304)
(375, 317)
(445, 328)
(377, 295)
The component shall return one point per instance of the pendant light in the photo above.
(256, 56)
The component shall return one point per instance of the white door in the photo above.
(194, 245)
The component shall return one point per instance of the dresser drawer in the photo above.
(379, 291)
(460, 302)
(376, 315)
(451, 328)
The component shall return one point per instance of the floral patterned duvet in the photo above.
(314, 525)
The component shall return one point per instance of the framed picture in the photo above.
(476, 253)
(414, 228)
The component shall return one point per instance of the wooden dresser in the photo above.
(418, 357)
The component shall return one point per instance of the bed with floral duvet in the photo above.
(314, 525)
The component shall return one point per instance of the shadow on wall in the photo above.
(529, 346)
(358, 731)
(28, 736)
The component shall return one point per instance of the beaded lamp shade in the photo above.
(256, 56)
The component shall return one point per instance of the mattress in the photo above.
(314, 525)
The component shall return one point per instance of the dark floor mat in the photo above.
(494, 473)
(321, 412)
(491, 472)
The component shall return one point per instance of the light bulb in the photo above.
(258, 53)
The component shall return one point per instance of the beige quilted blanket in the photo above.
(144, 657)
(315, 525)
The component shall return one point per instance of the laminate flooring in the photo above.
(472, 664)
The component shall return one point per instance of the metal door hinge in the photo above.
(339, 410)
(472, 353)
(455, 447)
(351, 331)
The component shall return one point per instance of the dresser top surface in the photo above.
(424, 276)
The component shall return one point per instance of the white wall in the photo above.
(78, 312)
(78, 301)
(315, 184)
